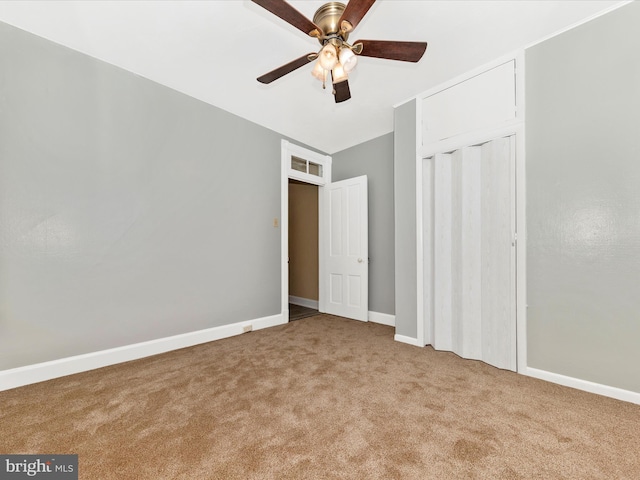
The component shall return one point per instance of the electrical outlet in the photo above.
(247, 328)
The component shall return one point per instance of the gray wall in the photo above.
(404, 187)
(375, 159)
(583, 201)
(128, 211)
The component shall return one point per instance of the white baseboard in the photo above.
(587, 386)
(382, 318)
(409, 340)
(40, 372)
(303, 302)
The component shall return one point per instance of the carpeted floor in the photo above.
(322, 397)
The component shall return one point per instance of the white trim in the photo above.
(521, 219)
(40, 372)
(421, 334)
(382, 318)
(286, 150)
(303, 302)
(408, 340)
(284, 227)
(323, 248)
(585, 385)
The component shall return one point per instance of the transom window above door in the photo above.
(306, 165)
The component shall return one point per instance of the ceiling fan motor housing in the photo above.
(327, 18)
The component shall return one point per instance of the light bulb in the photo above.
(318, 72)
(338, 74)
(328, 56)
(348, 59)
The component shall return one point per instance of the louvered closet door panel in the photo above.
(442, 301)
(457, 327)
(470, 284)
(498, 254)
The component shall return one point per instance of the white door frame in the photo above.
(514, 127)
(289, 150)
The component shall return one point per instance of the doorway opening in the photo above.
(303, 168)
(303, 250)
(342, 233)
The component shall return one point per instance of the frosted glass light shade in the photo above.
(338, 74)
(328, 56)
(318, 72)
(348, 59)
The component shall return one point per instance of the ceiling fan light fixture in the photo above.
(338, 73)
(331, 26)
(318, 72)
(328, 56)
(348, 59)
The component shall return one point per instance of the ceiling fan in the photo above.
(332, 24)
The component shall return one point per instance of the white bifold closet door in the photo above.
(469, 235)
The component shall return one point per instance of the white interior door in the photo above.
(346, 276)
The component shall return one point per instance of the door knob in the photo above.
(359, 260)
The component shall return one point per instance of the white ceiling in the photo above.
(214, 50)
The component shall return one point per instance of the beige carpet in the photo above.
(322, 397)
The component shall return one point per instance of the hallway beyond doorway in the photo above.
(298, 312)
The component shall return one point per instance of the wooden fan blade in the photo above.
(341, 91)
(284, 69)
(392, 50)
(290, 15)
(353, 13)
